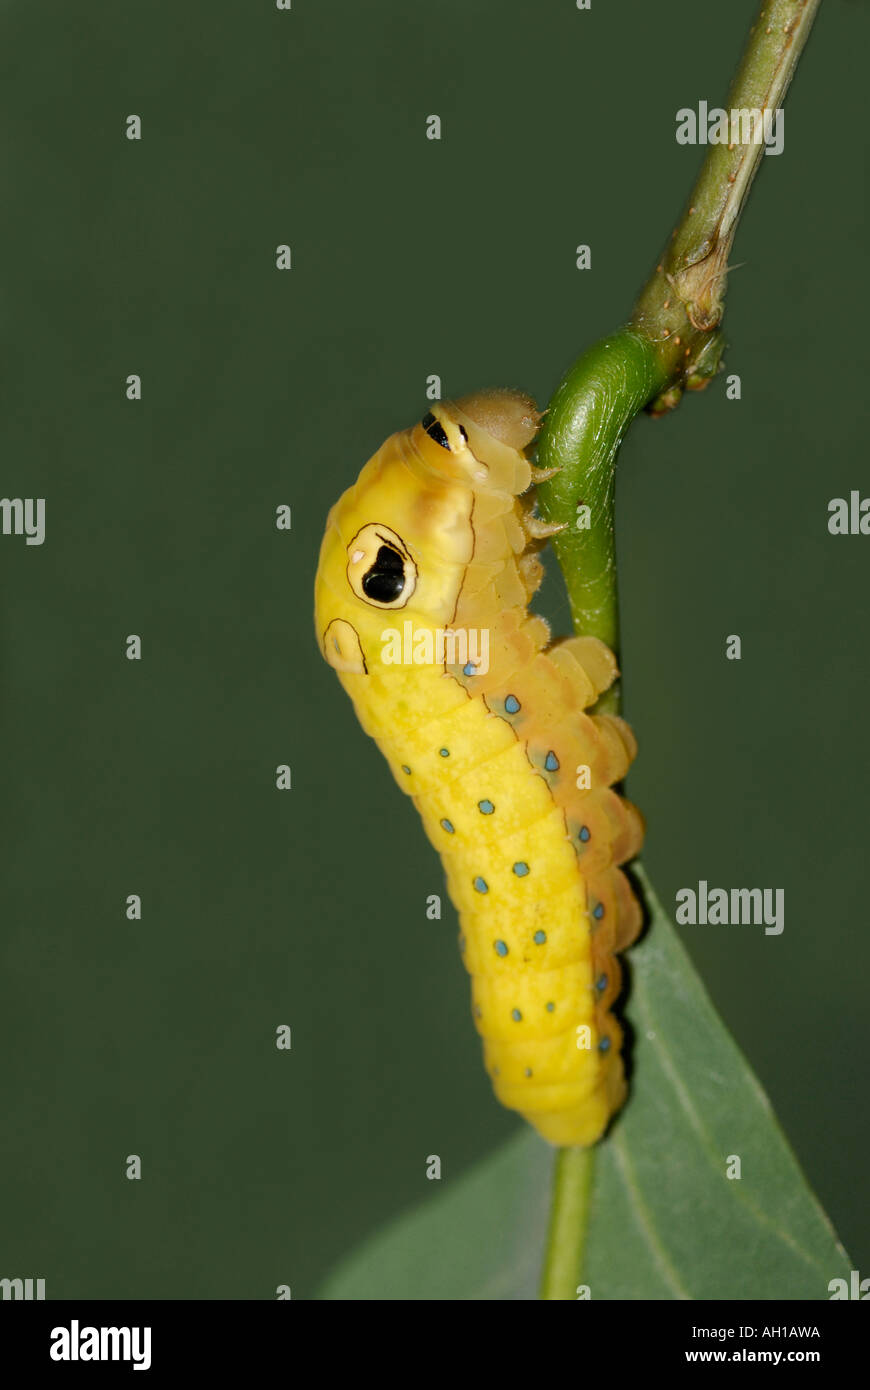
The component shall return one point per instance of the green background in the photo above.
(263, 388)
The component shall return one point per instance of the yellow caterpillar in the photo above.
(421, 605)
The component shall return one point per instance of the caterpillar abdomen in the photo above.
(512, 779)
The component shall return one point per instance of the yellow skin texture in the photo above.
(538, 939)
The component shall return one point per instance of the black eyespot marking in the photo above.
(464, 435)
(385, 580)
(380, 568)
(435, 430)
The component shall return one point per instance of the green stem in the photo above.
(572, 1188)
(672, 343)
(681, 306)
(585, 422)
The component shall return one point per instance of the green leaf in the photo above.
(666, 1222)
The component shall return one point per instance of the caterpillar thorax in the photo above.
(421, 604)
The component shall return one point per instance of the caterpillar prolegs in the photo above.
(421, 605)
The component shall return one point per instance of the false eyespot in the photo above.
(380, 569)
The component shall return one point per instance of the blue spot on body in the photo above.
(486, 808)
(550, 1007)
(512, 704)
(481, 885)
(528, 1071)
(604, 1045)
(598, 911)
(521, 868)
(584, 833)
(551, 762)
(446, 825)
(539, 938)
(601, 982)
(406, 769)
(445, 752)
(468, 669)
(516, 1015)
(500, 948)
(462, 943)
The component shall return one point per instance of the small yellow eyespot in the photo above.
(342, 649)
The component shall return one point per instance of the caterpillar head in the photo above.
(399, 541)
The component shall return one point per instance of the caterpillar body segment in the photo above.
(421, 605)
